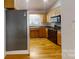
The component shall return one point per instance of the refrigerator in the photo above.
(16, 30)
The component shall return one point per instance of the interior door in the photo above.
(16, 30)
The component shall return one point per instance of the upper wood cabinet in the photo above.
(8, 3)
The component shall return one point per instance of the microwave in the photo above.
(55, 19)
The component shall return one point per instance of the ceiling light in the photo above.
(27, 0)
(45, 0)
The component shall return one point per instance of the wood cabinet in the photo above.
(42, 32)
(38, 32)
(9, 3)
(59, 38)
(34, 33)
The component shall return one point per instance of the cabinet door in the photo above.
(16, 25)
(42, 32)
(59, 38)
(9, 3)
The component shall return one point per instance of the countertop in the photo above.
(48, 27)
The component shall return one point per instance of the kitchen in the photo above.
(45, 32)
(44, 27)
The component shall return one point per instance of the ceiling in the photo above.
(34, 5)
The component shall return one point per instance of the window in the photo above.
(35, 20)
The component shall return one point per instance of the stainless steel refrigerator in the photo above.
(16, 30)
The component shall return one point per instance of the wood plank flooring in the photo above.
(40, 48)
(20, 56)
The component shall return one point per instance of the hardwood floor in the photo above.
(22, 56)
(40, 48)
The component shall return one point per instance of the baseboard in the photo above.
(17, 52)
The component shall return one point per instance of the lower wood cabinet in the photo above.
(34, 33)
(38, 32)
(59, 38)
(42, 32)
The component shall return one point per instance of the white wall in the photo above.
(57, 4)
(20, 4)
(68, 37)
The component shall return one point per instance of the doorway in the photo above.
(45, 31)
